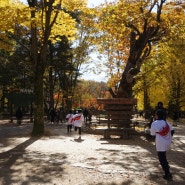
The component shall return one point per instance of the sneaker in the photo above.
(168, 176)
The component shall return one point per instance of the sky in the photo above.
(93, 3)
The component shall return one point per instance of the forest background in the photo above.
(70, 44)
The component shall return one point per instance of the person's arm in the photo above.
(152, 130)
(172, 132)
(171, 129)
(67, 117)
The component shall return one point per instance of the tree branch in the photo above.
(112, 93)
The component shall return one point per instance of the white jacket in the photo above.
(162, 142)
(69, 118)
(78, 120)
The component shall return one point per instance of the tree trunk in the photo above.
(125, 88)
(38, 125)
(51, 89)
(38, 59)
(38, 69)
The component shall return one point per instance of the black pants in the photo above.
(79, 130)
(52, 119)
(164, 163)
(85, 118)
(18, 121)
(69, 127)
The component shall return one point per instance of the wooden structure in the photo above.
(118, 117)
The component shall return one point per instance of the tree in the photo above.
(128, 30)
(163, 77)
(59, 64)
(86, 93)
(68, 56)
(174, 74)
(52, 14)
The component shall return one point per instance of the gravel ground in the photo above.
(62, 159)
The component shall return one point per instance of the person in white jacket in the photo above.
(163, 133)
(78, 121)
(69, 118)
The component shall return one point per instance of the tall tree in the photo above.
(174, 74)
(128, 30)
(49, 19)
(52, 15)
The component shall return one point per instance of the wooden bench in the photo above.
(124, 133)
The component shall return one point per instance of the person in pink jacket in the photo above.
(163, 132)
(78, 121)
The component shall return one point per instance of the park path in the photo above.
(62, 159)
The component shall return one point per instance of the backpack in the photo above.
(164, 131)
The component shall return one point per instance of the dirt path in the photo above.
(62, 159)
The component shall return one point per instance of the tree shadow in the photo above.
(42, 167)
(9, 158)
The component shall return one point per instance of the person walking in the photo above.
(161, 107)
(78, 121)
(52, 114)
(69, 118)
(61, 115)
(163, 133)
(19, 115)
(85, 114)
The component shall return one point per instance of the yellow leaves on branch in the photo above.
(64, 24)
(73, 5)
(116, 20)
(11, 15)
(174, 15)
(113, 81)
(5, 3)
(112, 24)
(16, 14)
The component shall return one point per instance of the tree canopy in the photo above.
(127, 30)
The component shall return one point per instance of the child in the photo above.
(163, 132)
(69, 118)
(78, 121)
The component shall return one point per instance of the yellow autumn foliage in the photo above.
(73, 5)
(16, 14)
